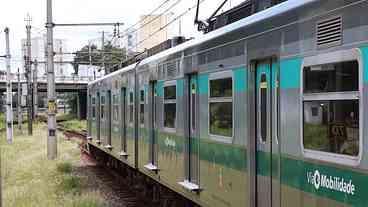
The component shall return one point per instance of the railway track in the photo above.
(120, 187)
(115, 187)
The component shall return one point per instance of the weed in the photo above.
(64, 167)
(71, 184)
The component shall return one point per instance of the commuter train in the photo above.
(267, 111)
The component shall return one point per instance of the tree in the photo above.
(113, 57)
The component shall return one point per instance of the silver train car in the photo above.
(267, 111)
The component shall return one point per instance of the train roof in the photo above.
(128, 68)
(246, 22)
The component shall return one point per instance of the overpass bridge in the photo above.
(62, 83)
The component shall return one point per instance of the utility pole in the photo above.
(35, 85)
(19, 105)
(51, 95)
(9, 108)
(103, 52)
(51, 120)
(28, 75)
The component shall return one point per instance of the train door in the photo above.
(267, 147)
(98, 117)
(89, 116)
(192, 140)
(102, 119)
(123, 118)
(152, 151)
(108, 121)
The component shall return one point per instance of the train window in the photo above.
(221, 88)
(335, 129)
(141, 108)
(93, 112)
(115, 108)
(170, 106)
(131, 107)
(93, 100)
(93, 107)
(335, 77)
(331, 108)
(263, 102)
(221, 107)
(102, 112)
(193, 106)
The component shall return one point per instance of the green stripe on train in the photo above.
(240, 80)
(364, 51)
(341, 185)
(228, 155)
(317, 179)
(290, 73)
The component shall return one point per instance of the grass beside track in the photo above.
(30, 179)
(2, 121)
(75, 125)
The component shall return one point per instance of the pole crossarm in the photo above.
(89, 24)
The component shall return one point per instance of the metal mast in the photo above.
(35, 85)
(9, 108)
(103, 52)
(19, 105)
(51, 120)
(28, 75)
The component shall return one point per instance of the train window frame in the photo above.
(331, 58)
(93, 110)
(172, 101)
(142, 102)
(219, 76)
(115, 105)
(131, 109)
(102, 107)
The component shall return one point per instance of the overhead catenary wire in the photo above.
(151, 13)
(131, 29)
(153, 19)
(127, 31)
(168, 24)
(165, 26)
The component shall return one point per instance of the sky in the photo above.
(14, 12)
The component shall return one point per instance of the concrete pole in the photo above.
(103, 52)
(89, 55)
(29, 83)
(35, 87)
(19, 105)
(9, 107)
(51, 121)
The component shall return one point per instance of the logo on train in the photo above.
(329, 182)
(170, 142)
